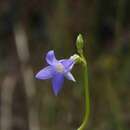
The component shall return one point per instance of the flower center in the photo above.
(59, 68)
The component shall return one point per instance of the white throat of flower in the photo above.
(59, 68)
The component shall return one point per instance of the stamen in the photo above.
(59, 68)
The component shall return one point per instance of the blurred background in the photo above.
(29, 29)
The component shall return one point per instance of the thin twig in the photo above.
(6, 102)
(27, 73)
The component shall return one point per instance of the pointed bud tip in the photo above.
(80, 35)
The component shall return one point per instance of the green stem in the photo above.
(87, 100)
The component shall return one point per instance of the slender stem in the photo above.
(87, 100)
(81, 59)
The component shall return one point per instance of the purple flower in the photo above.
(56, 70)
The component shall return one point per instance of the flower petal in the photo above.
(57, 83)
(45, 73)
(68, 64)
(69, 76)
(50, 58)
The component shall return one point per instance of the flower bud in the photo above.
(79, 42)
